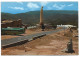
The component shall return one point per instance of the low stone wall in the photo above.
(14, 44)
(22, 42)
(38, 36)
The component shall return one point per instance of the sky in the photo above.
(22, 7)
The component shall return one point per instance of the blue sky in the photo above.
(22, 7)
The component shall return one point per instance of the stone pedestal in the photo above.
(42, 27)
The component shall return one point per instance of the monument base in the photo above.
(68, 51)
(42, 27)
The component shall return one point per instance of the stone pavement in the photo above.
(6, 42)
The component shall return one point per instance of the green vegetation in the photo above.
(50, 16)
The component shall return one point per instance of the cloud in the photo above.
(49, 8)
(20, 8)
(44, 3)
(32, 5)
(59, 7)
(70, 5)
(19, 2)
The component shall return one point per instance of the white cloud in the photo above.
(19, 2)
(49, 8)
(32, 5)
(70, 5)
(59, 7)
(20, 8)
(44, 3)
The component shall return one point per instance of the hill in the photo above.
(50, 16)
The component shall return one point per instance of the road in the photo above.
(27, 37)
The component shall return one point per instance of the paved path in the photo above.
(27, 37)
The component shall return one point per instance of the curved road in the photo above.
(28, 37)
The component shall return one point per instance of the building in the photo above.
(66, 26)
(9, 27)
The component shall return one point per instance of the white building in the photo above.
(67, 26)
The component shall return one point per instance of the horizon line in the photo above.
(39, 10)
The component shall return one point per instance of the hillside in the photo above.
(50, 16)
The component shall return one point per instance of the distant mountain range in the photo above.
(50, 16)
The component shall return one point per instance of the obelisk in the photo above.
(41, 19)
(41, 16)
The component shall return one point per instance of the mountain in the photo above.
(50, 16)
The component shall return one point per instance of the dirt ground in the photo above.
(52, 44)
